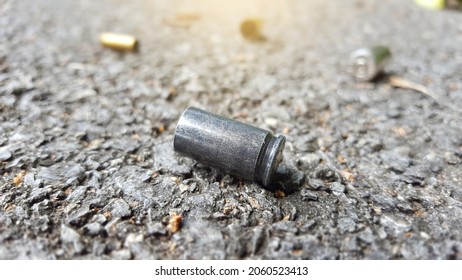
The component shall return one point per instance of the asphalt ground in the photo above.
(370, 171)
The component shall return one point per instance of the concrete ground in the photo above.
(88, 171)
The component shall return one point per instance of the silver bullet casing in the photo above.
(237, 148)
(367, 63)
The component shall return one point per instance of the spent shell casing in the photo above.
(240, 149)
(251, 29)
(120, 42)
(432, 4)
(367, 63)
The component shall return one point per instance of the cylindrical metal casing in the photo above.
(120, 42)
(240, 149)
(366, 63)
(251, 29)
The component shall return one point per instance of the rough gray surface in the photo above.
(371, 171)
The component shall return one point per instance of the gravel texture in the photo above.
(88, 171)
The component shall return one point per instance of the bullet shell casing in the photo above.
(120, 42)
(431, 4)
(251, 29)
(237, 148)
(367, 63)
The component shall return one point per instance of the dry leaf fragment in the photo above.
(174, 224)
(17, 180)
(399, 82)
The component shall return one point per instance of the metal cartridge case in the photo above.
(432, 4)
(251, 29)
(367, 63)
(120, 42)
(237, 148)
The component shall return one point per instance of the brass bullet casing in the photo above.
(120, 42)
(431, 4)
(439, 4)
(251, 29)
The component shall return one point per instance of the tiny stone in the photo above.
(282, 170)
(157, 229)
(309, 161)
(405, 208)
(435, 162)
(307, 143)
(290, 211)
(42, 224)
(69, 235)
(415, 175)
(99, 218)
(123, 254)
(131, 180)
(451, 158)
(272, 122)
(166, 160)
(297, 178)
(285, 226)
(29, 180)
(431, 182)
(80, 216)
(4, 154)
(424, 235)
(382, 233)
(75, 171)
(395, 161)
(93, 229)
(395, 225)
(51, 173)
(324, 172)
(20, 212)
(133, 238)
(366, 236)
(77, 194)
(337, 188)
(316, 184)
(126, 144)
(308, 195)
(19, 162)
(258, 238)
(37, 195)
(385, 202)
(119, 208)
(393, 113)
(16, 87)
(346, 225)
(308, 225)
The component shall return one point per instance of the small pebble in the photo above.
(451, 158)
(93, 229)
(123, 254)
(4, 154)
(157, 229)
(309, 161)
(308, 195)
(325, 173)
(119, 208)
(337, 188)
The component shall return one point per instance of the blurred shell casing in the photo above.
(251, 29)
(119, 42)
(367, 63)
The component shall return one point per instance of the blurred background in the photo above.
(85, 131)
